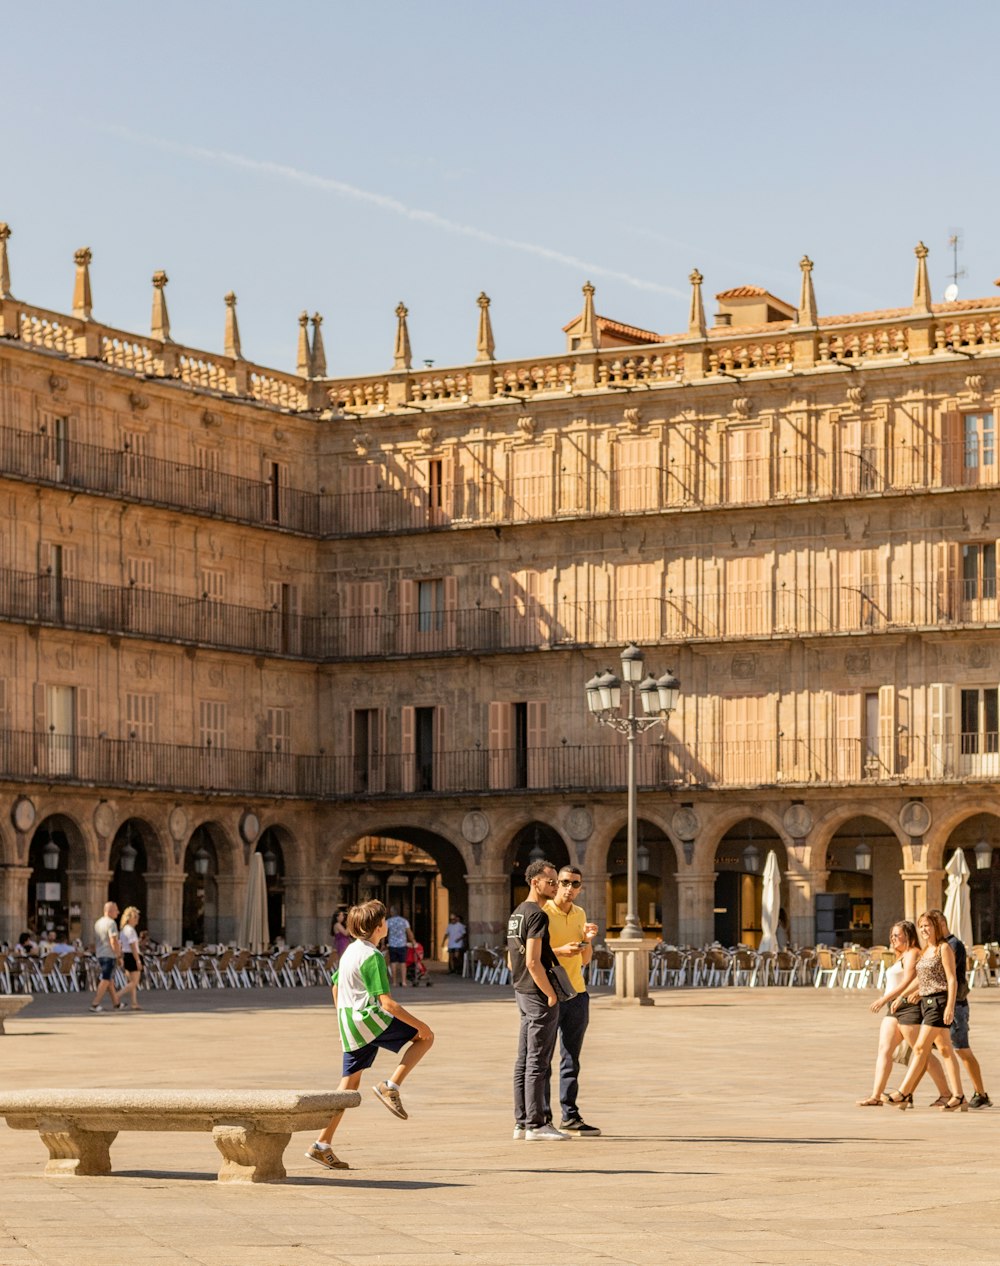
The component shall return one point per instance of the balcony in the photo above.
(51, 758)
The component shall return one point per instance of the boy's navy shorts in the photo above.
(393, 1039)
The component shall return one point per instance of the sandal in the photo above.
(940, 1101)
(899, 1100)
(872, 1102)
(956, 1103)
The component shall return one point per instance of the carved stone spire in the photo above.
(160, 324)
(82, 301)
(588, 326)
(807, 298)
(304, 358)
(696, 314)
(401, 355)
(232, 345)
(485, 346)
(922, 285)
(4, 265)
(317, 362)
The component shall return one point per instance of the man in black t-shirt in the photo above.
(530, 957)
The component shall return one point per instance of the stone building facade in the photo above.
(246, 609)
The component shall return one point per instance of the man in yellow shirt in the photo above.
(572, 938)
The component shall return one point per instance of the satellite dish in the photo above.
(951, 293)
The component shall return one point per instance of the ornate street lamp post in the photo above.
(659, 698)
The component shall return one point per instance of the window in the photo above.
(748, 595)
(134, 465)
(63, 716)
(140, 572)
(638, 474)
(979, 721)
(430, 606)
(277, 480)
(517, 744)
(284, 601)
(56, 447)
(279, 730)
(531, 483)
(209, 463)
(140, 717)
(746, 465)
(211, 723)
(748, 748)
(368, 743)
(979, 571)
(213, 584)
(56, 565)
(979, 439)
(425, 759)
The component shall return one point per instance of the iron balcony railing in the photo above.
(397, 504)
(27, 757)
(745, 612)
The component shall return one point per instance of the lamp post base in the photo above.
(631, 971)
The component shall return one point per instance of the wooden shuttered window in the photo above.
(531, 483)
(847, 742)
(637, 474)
(500, 745)
(942, 721)
(637, 602)
(748, 739)
(408, 748)
(361, 632)
(747, 465)
(747, 596)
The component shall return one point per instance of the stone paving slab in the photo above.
(731, 1136)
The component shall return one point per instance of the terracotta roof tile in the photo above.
(744, 292)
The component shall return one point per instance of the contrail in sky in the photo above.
(294, 175)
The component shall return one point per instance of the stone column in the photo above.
(489, 906)
(13, 901)
(922, 890)
(307, 919)
(594, 900)
(695, 907)
(232, 891)
(165, 899)
(90, 889)
(802, 888)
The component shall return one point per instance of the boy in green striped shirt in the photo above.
(369, 1019)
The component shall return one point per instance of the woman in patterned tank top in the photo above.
(938, 985)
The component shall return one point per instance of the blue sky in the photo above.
(342, 157)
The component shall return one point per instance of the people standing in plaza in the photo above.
(399, 937)
(454, 940)
(131, 955)
(572, 943)
(902, 1020)
(938, 985)
(530, 952)
(369, 1019)
(960, 1024)
(107, 950)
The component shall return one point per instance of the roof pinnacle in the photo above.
(485, 346)
(82, 301)
(304, 356)
(232, 343)
(317, 362)
(160, 323)
(588, 326)
(401, 355)
(5, 232)
(922, 285)
(807, 299)
(696, 313)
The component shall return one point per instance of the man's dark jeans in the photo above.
(535, 1044)
(574, 1016)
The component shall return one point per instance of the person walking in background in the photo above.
(131, 955)
(960, 1024)
(902, 1020)
(938, 985)
(530, 952)
(107, 950)
(369, 1019)
(400, 937)
(341, 937)
(454, 939)
(572, 937)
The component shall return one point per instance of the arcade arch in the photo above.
(979, 838)
(57, 856)
(657, 867)
(864, 894)
(740, 858)
(535, 841)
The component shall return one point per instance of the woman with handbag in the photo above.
(901, 1025)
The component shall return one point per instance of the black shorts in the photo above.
(397, 953)
(932, 1010)
(394, 1038)
(130, 963)
(908, 1013)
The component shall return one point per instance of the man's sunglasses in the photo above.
(570, 883)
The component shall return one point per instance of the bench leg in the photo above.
(86, 1153)
(250, 1155)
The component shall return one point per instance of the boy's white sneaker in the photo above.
(547, 1132)
(518, 1132)
(390, 1098)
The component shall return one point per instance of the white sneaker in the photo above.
(518, 1132)
(546, 1132)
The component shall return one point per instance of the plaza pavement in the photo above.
(730, 1136)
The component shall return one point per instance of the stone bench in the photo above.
(10, 1004)
(251, 1128)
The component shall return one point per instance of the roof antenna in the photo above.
(955, 241)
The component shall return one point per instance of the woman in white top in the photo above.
(903, 1018)
(131, 959)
